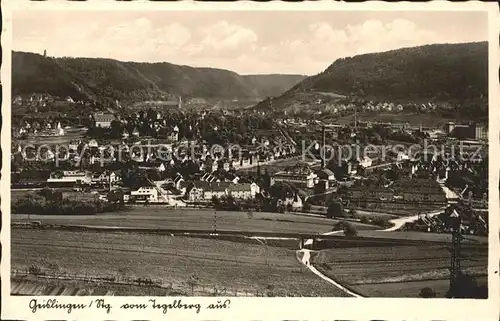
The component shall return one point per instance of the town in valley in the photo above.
(368, 179)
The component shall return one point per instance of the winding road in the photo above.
(306, 260)
(306, 253)
(397, 223)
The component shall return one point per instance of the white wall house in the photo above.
(195, 194)
(145, 193)
(365, 161)
(70, 179)
(299, 179)
(104, 120)
(217, 192)
(105, 178)
(93, 143)
(244, 191)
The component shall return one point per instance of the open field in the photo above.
(381, 212)
(423, 236)
(161, 217)
(382, 215)
(249, 266)
(221, 264)
(153, 217)
(399, 271)
(36, 286)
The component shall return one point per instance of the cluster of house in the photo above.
(420, 181)
(466, 131)
(206, 190)
(50, 128)
(474, 197)
(471, 222)
(161, 155)
(129, 126)
(303, 177)
(373, 106)
(79, 178)
(40, 100)
(412, 190)
(203, 189)
(370, 106)
(471, 130)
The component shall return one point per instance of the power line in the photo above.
(455, 263)
(215, 221)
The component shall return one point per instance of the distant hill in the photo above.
(107, 80)
(272, 85)
(441, 72)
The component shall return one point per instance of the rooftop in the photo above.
(240, 187)
(104, 117)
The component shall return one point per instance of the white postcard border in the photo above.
(15, 307)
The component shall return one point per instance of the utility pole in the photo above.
(109, 179)
(455, 266)
(215, 221)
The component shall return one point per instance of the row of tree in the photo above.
(52, 202)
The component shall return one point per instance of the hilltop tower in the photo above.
(180, 102)
(45, 53)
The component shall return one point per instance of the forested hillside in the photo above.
(107, 80)
(456, 73)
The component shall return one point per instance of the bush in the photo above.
(364, 220)
(350, 230)
(380, 221)
(35, 270)
(427, 292)
(36, 204)
(335, 209)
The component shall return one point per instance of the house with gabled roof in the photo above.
(244, 190)
(104, 120)
(125, 133)
(295, 201)
(217, 189)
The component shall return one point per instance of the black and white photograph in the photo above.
(249, 153)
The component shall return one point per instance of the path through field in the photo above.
(397, 223)
(244, 267)
(306, 260)
(400, 221)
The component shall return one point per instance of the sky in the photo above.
(250, 42)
